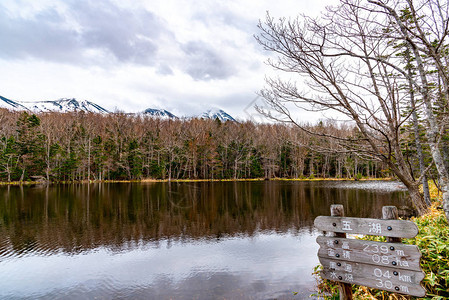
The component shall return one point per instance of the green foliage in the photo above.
(30, 148)
(256, 165)
(285, 160)
(156, 170)
(326, 289)
(68, 166)
(433, 240)
(8, 157)
(134, 160)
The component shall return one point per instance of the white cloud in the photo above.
(184, 56)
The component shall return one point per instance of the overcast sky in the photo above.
(183, 56)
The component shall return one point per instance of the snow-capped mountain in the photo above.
(65, 105)
(217, 114)
(159, 113)
(61, 105)
(73, 105)
(9, 104)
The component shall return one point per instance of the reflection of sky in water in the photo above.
(370, 185)
(266, 265)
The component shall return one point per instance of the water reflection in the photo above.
(233, 268)
(233, 240)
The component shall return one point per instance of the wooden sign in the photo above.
(391, 266)
(395, 255)
(390, 228)
(378, 277)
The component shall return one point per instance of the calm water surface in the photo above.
(232, 240)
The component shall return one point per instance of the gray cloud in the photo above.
(41, 37)
(130, 36)
(91, 32)
(205, 63)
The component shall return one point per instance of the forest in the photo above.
(56, 147)
(382, 67)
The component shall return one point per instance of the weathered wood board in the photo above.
(378, 277)
(389, 228)
(395, 255)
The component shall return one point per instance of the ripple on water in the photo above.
(6, 249)
(238, 241)
(10, 251)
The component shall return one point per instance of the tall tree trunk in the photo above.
(433, 133)
(88, 160)
(419, 151)
(8, 169)
(416, 198)
(311, 169)
(23, 175)
(433, 130)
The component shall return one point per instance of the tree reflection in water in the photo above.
(77, 217)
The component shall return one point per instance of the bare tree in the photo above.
(427, 39)
(343, 63)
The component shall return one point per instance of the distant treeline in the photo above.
(87, 146)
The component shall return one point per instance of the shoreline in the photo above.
(149, 180)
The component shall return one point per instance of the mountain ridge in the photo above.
(11, 103)
(160, 113)
(60, 105)
(217, 113)
(74, 105)
(65, 105)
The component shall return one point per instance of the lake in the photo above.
(202, 240)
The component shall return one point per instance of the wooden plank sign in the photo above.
(378, 277)
(391, 266)
(395, 255)
(390, 228)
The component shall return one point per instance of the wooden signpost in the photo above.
(390, 266)
(389, 228)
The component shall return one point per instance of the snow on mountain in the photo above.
(65, 105)
(73, 105)
(159, 113)
(61, 105)
(217, 114)
(9, 104)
